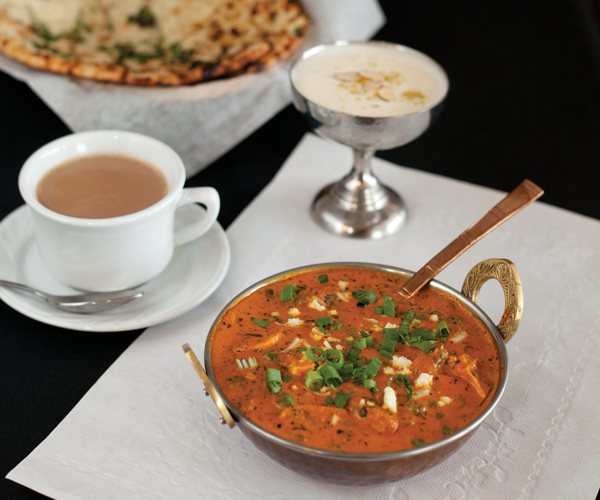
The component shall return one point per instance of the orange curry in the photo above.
(334, 358)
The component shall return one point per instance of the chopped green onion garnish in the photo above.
(388, 306)
(273, 375)
(347, 369)
(373, 367)
(371, 384)
(403, 328)
(418, 442)
(392, 334)
(334, 358)
(288, 293)
(273, 379)
(287, 378)
(443, 331)
(314, 353)
(314, 381)
(330, 375)
(423, 334)
(323, 278)
(445, 431)
(286, 400)
(388, 344)
(364, 333)
(364, 342)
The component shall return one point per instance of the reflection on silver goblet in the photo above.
(359, 205)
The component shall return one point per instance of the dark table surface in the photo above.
(524, 102)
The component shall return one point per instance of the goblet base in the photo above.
(351, 218)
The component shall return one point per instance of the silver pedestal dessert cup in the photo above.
(359, 205)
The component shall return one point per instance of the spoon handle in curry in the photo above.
(524, 194)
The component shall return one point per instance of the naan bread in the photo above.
(151, 42)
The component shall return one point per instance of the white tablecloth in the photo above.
(146, 431)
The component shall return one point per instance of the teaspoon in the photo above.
(83, 303)
(524, 194)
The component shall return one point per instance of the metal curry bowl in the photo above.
(375, 468)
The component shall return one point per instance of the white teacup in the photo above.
(119, 252)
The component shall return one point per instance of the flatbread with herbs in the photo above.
(151, 42)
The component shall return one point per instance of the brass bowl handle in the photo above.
(209, 388)
(505, 272)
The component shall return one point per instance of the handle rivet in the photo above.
(222, 420)
(206, 393)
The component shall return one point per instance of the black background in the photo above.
(524, 102)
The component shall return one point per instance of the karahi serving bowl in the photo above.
(375, 468)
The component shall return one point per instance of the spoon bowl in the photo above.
(84, 303)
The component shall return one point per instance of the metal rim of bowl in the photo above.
(362, 457)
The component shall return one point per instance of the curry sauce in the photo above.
(334, 358)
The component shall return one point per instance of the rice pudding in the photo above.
(370, 79)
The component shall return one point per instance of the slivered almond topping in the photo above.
(374, 76)
(371, 87)
(386, 94)
(349, 76)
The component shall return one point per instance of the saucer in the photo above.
(195, 271)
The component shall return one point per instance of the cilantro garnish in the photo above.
(144, 18)
(261, 322)
(403, 380)
(340, 399)
(325, 321)
(365, 297)
(179, 54)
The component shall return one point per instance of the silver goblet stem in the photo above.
(359, 205)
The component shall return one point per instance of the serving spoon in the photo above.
(85, 303)
(524, 194)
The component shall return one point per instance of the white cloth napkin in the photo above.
(201, 122)
(146, 431)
